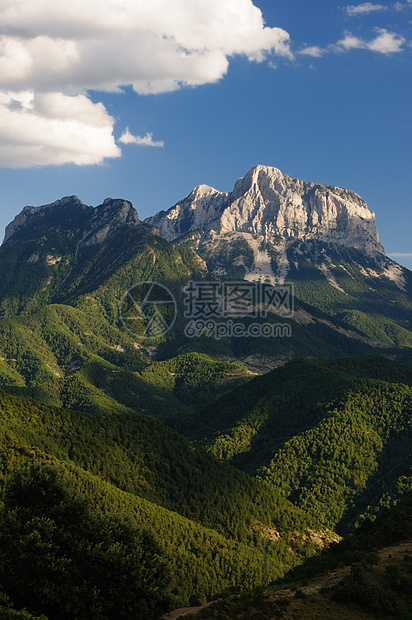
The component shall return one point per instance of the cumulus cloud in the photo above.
(156, 47)
(51, 47)
(385, 42)
(362, 9)
(147, 140)
(313, 50)
(52, 128)
(400, 6)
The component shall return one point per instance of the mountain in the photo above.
(333, 436)
(277, 208)
(66, 267)
(177, 429)
(321, 239)
(85, 225)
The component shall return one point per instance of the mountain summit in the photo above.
(272, 226)
(276, 207)
(89, 225)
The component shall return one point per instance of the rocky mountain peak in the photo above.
(198, 211)
(202, 191)
(270, 223)
(271, 204)
(89, 225)
(67, 213)
(256, 180)
(108, 217)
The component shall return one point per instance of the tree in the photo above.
(60, 557)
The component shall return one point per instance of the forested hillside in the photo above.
(205, 513)
(364, 577)
(226, 476)
(333, 435)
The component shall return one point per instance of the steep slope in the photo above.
(333, 435)
(66, 268)
(63, 251)
(270, 204)
(213, 520)
(85, 225)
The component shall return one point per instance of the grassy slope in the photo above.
(58, 357)
(370, 303)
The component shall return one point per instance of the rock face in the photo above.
(271, 225)
(88, 225)
(109, 217)
(274, 206)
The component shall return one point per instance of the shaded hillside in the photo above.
(333, 435)
(364, 577)
(206, 514)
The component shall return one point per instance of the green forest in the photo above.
(138, 477)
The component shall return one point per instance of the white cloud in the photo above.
(52, 128)
(147, 140)
(385, 42)
(400, 6)
(364, 8)
(52, 46)
(154, 46)
(350, 42)
(313, 50)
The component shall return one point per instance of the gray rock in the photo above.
(273, 205)
(88, 225)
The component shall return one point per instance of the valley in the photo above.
(245, 458)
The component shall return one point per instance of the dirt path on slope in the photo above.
(177, 613)
(330, 579)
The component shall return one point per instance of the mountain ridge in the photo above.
(267, 228)
(59, 251)
(269, 203)
(264, 202)
(90, 225)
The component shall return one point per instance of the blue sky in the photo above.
(156, 98)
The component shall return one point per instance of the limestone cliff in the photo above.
(273, 205)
